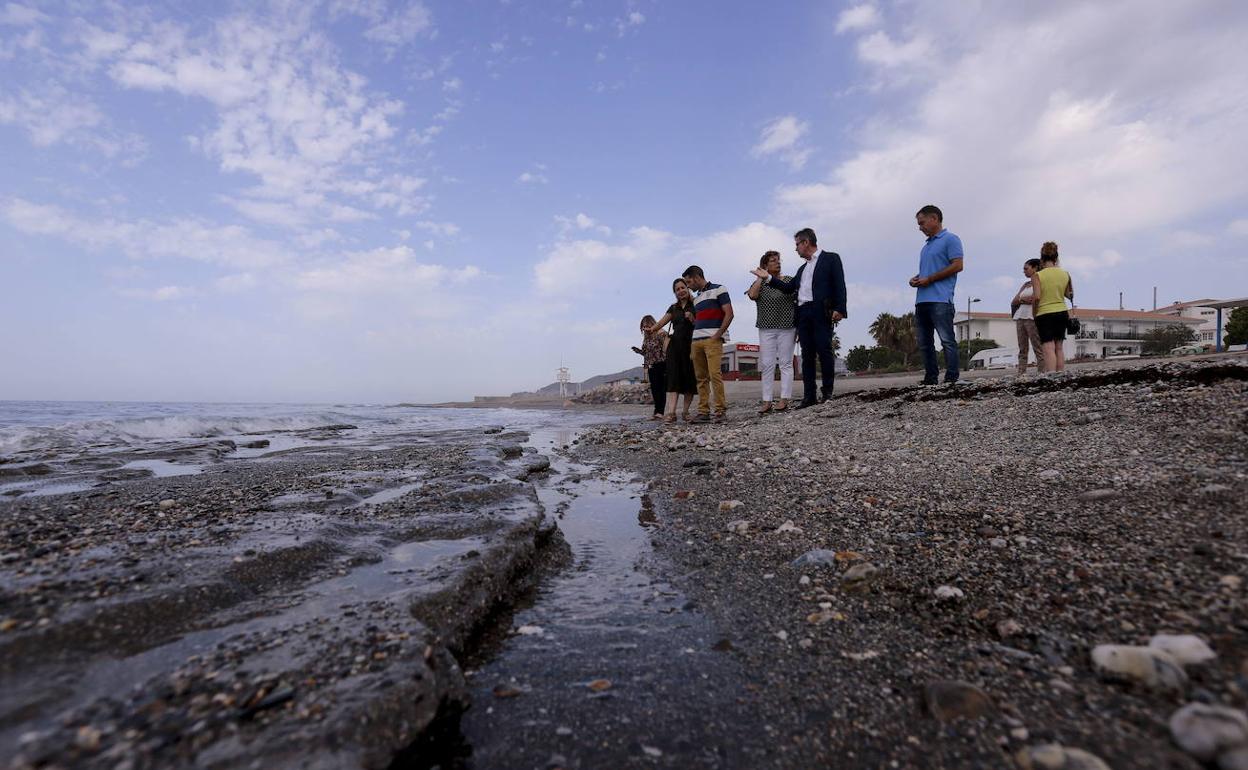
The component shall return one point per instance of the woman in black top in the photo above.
(680, 377)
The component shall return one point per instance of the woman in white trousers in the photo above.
(777, 333)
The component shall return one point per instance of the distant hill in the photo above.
(595, 381)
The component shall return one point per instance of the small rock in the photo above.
(1146, 666)
(806, 644)
(1054, 757)
(563, 731)
(530, 630)
(1092, 495)
(738, 527)
(948, 700)
(1049, 473)
(860, 574)
(600, 685)
(730, 505)
(782, 635)
(651, 751)
(683, 494)
(819, 557)
(167, 504)
(804, 580)
(1206, 731)
(505, 691)
(948, 593)
(998, 542)
(788, 526)
(1008, 628)
(1188, 650)
(1233, 582)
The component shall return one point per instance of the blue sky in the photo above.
(361, 200)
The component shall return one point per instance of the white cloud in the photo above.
(310, 132)
(383, 270)
(858, 17)
(1238, 227)
(783, 137)
(879, 48)
(162, 294)
(1092, 266)
(453, 84)
(532, 177)
(236, 282)
(183, 238)
(17, 15)
(52, 115)
(395, 29)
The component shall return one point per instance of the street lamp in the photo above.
(969, 300)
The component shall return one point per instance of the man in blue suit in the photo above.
(820, 288)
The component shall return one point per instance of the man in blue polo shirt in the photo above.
(940, 261)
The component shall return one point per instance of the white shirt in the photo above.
(806, 292)
(1024, 310)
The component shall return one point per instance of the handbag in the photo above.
(1072, 323)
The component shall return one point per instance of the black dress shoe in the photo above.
(825, 397)
(805, 404)
(925, 383)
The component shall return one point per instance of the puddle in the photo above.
(386, 495)
(610, 616)
(163, 468)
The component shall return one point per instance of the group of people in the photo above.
(806, 306)
(1039, 311)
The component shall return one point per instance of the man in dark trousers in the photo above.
(820, 288)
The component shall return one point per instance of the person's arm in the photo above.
(1035, 291)
(659, 324)
(1070, 289)
(663, 340)
(840, 309)
(1018, 297)
(955, 267)
(788, 287)
(723, 326)
(752, 292)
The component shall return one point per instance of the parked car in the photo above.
(1187, 350)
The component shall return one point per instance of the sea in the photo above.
(51, 447)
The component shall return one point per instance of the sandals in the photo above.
(783, 405)
(669, 419)
(765, 408)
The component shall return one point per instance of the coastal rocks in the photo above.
(258, 444)
(738, 527)
(1008, 628)
(948, 594)
(1206, 731)
(1188, 650)
(948, 700)
(1146, 666)
(788, 527)
(1053, 756)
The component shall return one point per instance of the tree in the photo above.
(859, 358)
(1237, 327)
(1163, 339)
(884, 328)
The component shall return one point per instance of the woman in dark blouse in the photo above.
(680, 377)
(653, 352)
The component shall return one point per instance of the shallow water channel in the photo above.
(609, 665)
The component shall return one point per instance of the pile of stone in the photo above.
(616, 394)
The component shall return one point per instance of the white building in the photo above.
(1104, 333)
(1208, 328)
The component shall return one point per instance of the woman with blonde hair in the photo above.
(1051, 287)
(653, 352)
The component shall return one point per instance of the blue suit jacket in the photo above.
(829, 285)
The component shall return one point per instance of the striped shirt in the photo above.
(708, 310)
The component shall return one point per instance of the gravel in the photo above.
(1053, 513)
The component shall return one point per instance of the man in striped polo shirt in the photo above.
(712, 312)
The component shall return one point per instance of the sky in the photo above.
(380, 201)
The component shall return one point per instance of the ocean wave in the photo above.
(127, 432)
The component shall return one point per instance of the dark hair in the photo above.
(678, 280)
(763, 260)
(930, 210)
(806, 234)
(1048, 249)
(647, 320)
(693, 270)
(1034, 264)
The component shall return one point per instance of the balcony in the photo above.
(1111, 335)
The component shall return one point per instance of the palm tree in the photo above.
(884, 329)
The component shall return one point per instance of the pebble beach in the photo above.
(934, 577)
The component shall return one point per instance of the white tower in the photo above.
(564, 378)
